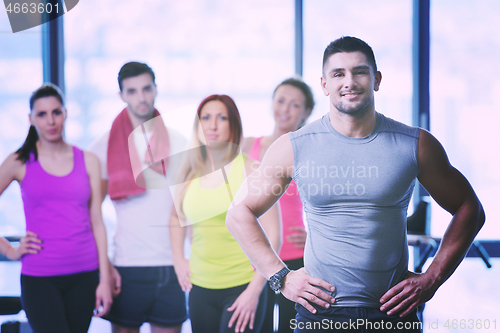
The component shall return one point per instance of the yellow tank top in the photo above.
(217, 260)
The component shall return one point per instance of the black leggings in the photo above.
(62, 304)
(208, 309)
(286, 307)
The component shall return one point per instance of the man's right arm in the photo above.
(451, 190)
(260, 191)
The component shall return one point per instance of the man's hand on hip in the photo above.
(300, 287)
(404, 297)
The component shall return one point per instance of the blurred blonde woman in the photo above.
(225, 290)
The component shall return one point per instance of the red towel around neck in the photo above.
(124, 165)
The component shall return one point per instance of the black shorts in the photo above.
(208, 309)
(149, 295)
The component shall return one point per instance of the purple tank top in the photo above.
(57, 210)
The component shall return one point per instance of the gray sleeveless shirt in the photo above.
(355, 193)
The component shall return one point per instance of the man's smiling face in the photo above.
(350, 81)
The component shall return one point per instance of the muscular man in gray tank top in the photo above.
(355, 170)
(356, 193)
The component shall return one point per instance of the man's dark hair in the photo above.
(349, 44)
(131, 69)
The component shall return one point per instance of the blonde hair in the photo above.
(195, 162)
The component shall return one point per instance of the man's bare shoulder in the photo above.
(280, 155)
(431, 154)
(283, 142)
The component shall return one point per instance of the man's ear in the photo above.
(378, 79)
(122, 97)
(323, 86)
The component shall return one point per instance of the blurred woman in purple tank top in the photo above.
(65, 272)
(292, 104)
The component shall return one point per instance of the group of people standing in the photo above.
(66, 276)
(222, 197)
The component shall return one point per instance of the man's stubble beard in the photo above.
(357, 111)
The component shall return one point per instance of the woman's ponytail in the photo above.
(29, 146)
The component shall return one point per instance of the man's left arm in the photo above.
(451, 190)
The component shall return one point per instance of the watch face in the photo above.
(274, 283)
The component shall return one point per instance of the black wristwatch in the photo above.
(276, 281)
